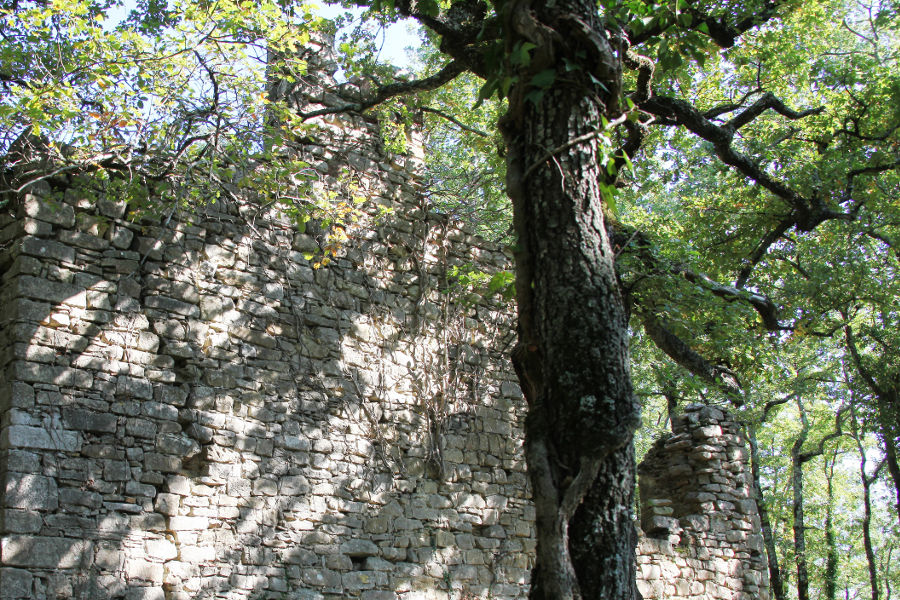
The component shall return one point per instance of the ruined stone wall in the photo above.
(701, 532)
(190, 409)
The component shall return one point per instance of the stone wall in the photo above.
(701, 528)
(190, 409)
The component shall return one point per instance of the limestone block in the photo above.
(89, 420)
(48, 211)
(44, 552)
(15, 583)
(133, 387)
(79, 497)
(166, 304)
(294, 485)
(162, 462)
(140, 569)
(20, 521)
(47, 249)
(34, 492)
(167, 504)
(197, 554)
(188, 523)
(378, 595)
(265, 487)
(31, 372)
(359, 548)
(145, 593)
(355, 581)
(23, 436)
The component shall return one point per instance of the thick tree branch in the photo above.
(401, 88)
(763, 306)
(464, 29)
(806, 212)
(686, 357)
(683, 113)
(857, 360)
(768, 101)
(722, 33)
(820, 448)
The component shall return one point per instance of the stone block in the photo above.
(378, 595)
(62, 376)
(294, 485)
(24, 436)
(166, 304)
(133, 387)
(47, 249)
(162, 462)
(143, 570)
(161, 549)
(188, 523)
(20, 521)
(15, 583)
(22, 461)
(49, 211)
(45, 552)
(265, 487)
(145, 593)
(87, 420)
(359, 548)
(79, 497)
(359, 580)
(51, 291)
(84, 240)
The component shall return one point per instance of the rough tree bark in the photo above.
(831, 550)
(799, 524)
(867, 481)
(775, 580)
(572, 356)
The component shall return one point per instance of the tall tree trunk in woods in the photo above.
(831, 555)
(887, 402)
(889, 426)
(799, 524)
(867, 481)
(775, 580)
(572, 355)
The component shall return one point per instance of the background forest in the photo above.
(759, 272)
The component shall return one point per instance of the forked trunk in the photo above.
(572, 356)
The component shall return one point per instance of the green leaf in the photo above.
(535, 97)
(544, 79)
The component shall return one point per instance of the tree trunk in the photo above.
(775, 580)
(831, 555)
(867, 509)
(889, 427)
(572, 354)
(799, 525)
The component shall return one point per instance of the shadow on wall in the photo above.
(193, 411)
